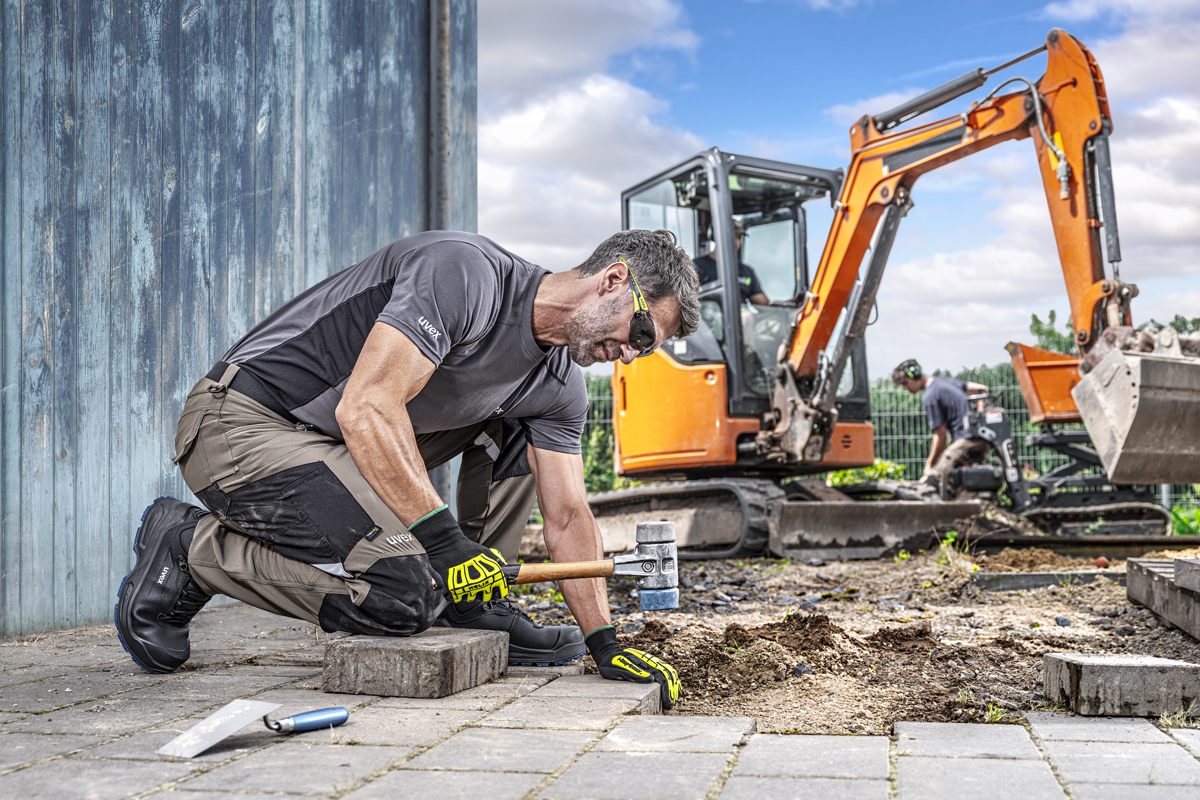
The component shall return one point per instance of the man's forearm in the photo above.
(586, 597)
(384, 448)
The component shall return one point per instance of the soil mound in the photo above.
(1032, 559)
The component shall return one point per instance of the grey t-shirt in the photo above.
(464, 301)
(946, 404)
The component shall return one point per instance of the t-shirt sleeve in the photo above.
(561, 428)
(444, 295)
(753, 286)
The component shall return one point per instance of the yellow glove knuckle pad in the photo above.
(476, 576)
(673, 685)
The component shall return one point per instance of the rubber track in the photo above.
(1112, 512)
(756, 498)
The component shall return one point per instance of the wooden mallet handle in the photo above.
(537, 573)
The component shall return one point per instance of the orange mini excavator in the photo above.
(763, 392)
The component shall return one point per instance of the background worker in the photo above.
(748, 283)
(946, 407)
(310, 442)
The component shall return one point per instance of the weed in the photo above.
(926, 585)
(965, 696)
(995, 713)
(1183, 718)
(903, 555)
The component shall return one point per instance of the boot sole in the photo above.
(527, 659)
(135, 587)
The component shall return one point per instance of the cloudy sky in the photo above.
(579, 99)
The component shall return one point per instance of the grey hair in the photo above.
(661, 267)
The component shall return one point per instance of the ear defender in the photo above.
(913, 370)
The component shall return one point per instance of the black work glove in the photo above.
(627, 664)
(469, 572)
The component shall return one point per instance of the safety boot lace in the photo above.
(506, 604)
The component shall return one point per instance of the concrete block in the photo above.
(1151, 582)
(677, 735)
(436, 663)
(744, 787)
(503, 750)
(638, 776)
(1123, 762)
(996, 779)
(1056, 726)
(1187, 574)
(1012, 581)
(1119, 685)
(448, 785)
(810, 756)
(960, 740)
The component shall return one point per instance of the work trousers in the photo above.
(297, 530)
(959, 453)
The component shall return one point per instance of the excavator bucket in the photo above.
(1142, 411)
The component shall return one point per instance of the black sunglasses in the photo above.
(641, 327)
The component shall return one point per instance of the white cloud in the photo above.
(849, 113)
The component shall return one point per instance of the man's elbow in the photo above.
(353, 415)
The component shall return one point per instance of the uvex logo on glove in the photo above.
(476, 576)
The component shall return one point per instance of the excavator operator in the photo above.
(706, 267)
(946, 407)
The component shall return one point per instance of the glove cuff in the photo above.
(433, 530)
(600, 640)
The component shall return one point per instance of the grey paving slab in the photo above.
(549, 673)
(487, 697)
(503, 750)
(394, 726)
(920, 778)
(93, 780)
(775, 755)
(7, 717)
(569, 713)
(22, 748)
(403, 783)
(677, 734)
(214, 688)
(755, 788)
(284, 670)
(597, 687)
(638, 776)
(1125, 791)
(107, 717)
(1189, 738)
(144, 746)
(1063, 727)
(296, 768)
(81, 657)
(56, 692)
(178, 795)
(961, 740)
(295, 701)
(1123, 762)
(10, 676)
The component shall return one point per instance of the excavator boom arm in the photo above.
(884, 167)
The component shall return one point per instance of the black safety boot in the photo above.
(530, 644)
(159, 598)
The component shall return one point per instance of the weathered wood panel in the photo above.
(171, 171)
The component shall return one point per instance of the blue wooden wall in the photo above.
(172, 171)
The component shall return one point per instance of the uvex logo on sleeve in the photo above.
(433, 332)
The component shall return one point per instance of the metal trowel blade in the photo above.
(206, 733)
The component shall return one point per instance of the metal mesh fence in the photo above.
(902, 433)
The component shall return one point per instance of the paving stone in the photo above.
(403, 783)
(1062, 727)
(436, 663)
(811, 756)
(394, 726)
(144, 746)
(1123, 762)
(298, 768)
(297, 701)
(677, 734)
(21, 748)
(1125, 791)
(213, 688)
(593, 687)
(549, 673)
(919, 778)
(7, 717)
(282, 670)
(1189, 738)
(755, 788)
(11, 676)
(107, 717)
(504, 750)
(94, 780)
(178, 795)
(60, 691)
(638, 776)
(487, 697)
(1119, 684)
(589, 714)
(961, 740)
(1187, 573)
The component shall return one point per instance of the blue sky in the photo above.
(581, 98)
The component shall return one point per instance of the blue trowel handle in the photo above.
(309, 721)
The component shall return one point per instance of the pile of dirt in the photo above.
(1191, 552)
(1034, 559)
(992, 519)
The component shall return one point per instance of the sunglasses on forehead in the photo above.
(641, 327)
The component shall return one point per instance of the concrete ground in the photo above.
(79, 720)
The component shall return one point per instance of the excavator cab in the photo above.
(742, 220)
